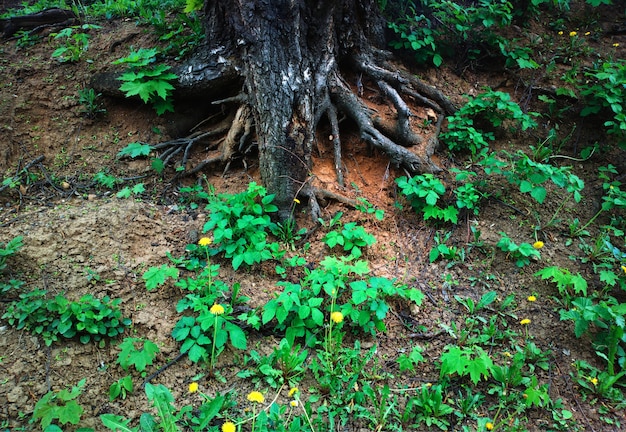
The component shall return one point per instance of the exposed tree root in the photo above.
(214, 77)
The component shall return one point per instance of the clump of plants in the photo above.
(145, 78)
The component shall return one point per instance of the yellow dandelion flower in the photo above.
(293, 391)
(561, 33)
(624, 268)
(293, 403)
(205, 241)
(296, 200)
(489, 426)
(229, 427)
(525, 321)
(587, 33)
(336, 317)
(572, 33)
(538, 244)
(506, 354)
(193, 387)
(594, 381)
(616, 44)
(255, 396)
(531, 298)
(217, 309)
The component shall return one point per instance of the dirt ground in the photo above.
(79, 238)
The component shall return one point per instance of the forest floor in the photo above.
(80, 238)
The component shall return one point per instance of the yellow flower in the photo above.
(489, 426)
(506, 354)
(624, 268)
(293, 403)
(531, 298)
(594, 381)
(256, 396)
(293, 391)
(193, 387)
(336, 317)
(205, 241)
(538, 244)
(296, 200)
(229, 427)
(217, 309)
(525, 321)
(572, 33)
(587, 34)
(616, 44)
(561, 33)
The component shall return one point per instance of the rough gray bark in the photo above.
(283, 60)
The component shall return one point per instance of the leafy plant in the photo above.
(521, 253)
(74, 43)
(137, 352)
(240, 225)
(490, 109)
(59, 406)
(428, 407)
(92, 108)
(9, 249)
(352, 238)
(605, 89)
(423, 193)
(152, 83)
(121, 388)
(88, 318)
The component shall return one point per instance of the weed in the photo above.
(59, 406)
(152, 83)
(121, 388)
(137, 352)
(92, 108)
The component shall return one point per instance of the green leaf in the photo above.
(124, 193)
(237, 336)
(117, 423)
(134, 150)
(138, 189)
(156, 276)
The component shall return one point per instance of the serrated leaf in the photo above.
(124, 193)
(156, 276)
(134, 150)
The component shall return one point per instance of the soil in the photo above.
(79, 238)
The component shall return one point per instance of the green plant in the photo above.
(453, 254)
(606, 316)
(352, 238)
(240, 225)
(605, 88)
(61, 406)
(567, 283)
(423, 193)
(137, 352)
(216, 319)
(121, 388)
(9, 249)
(152, 83)
(92, 108)
(286, 364)
(436, 29)
(107, 180)
(521, 253)
(74, 43)
(491, 109)
(428, 407)
(88, 318)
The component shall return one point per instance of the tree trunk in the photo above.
(286, 57)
